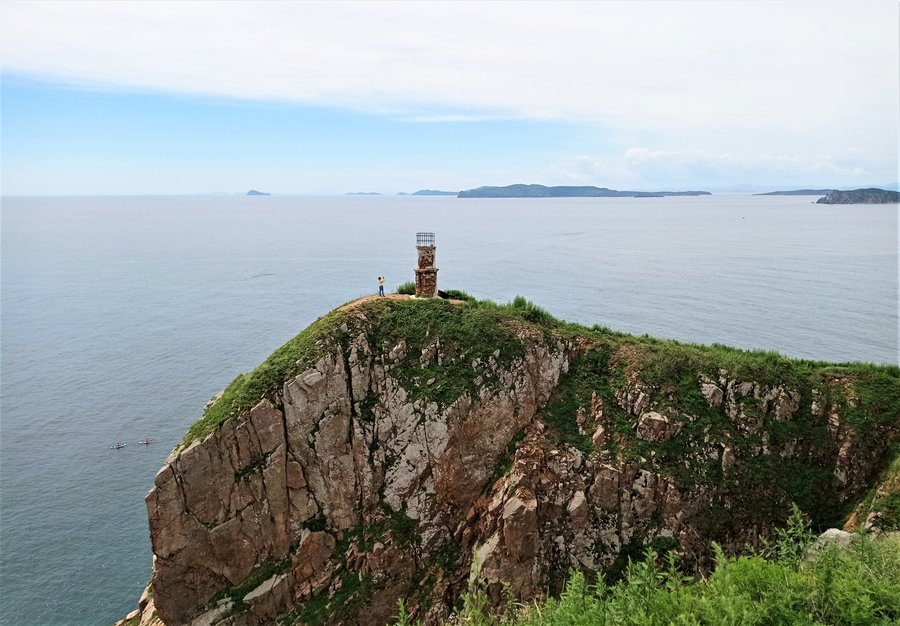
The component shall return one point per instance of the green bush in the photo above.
(860, 585)
(531, 312)
(407, 288)
(456, 294)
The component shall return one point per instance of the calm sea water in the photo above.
(122, 316)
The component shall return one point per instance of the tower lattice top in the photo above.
(424, 239)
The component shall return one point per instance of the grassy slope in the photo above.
(479, 331)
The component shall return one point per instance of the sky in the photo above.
(335, 97)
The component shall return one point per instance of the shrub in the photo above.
(408, 288)
(456, 294)
(860, 585)
(529, 311)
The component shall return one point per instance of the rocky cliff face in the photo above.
(416, 436)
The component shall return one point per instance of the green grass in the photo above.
(407, 288)
(587, 376)
(290, 359)
(764, 483)
(456, 294)
(341, 608)
(464, 333)
(255, 579)
(858, 586)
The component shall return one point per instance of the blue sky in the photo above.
(150, 142)
(304, 97)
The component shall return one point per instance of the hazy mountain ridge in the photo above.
(583, 191)
(861, 196)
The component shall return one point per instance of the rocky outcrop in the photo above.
(880, 509)
(383, 467)
(342, 448)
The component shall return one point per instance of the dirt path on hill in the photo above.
(374, 296)
(390, 296)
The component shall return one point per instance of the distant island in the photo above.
(860, 196)
(363, 193)
(797, 192)
(254, 192)
(435, 192)
(541, 191)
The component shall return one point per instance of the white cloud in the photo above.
(739, 91)
(760, 67)
(644, 168)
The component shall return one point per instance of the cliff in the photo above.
(540, 191)
(374, 454)
(860, 196)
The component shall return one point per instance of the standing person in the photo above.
(381, 285)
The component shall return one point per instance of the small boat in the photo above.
(118, 445)
(147, 441)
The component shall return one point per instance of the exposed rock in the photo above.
(241, 497)
(128, 618)
(831, 537)
(786, 404)
(712, 392)
(656, 428)
(728, 459)
(358, 481)
(599, 437)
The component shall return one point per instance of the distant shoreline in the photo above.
(541, 191)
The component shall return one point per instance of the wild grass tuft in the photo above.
(859, 585)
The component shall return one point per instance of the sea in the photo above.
(121, 316)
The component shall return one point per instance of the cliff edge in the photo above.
(373, 456)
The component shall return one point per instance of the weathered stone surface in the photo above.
(712, 392)
(426, 273)
(243, 496)
(786, 404)
(657, 428)
(343, 476)
(128, 617)
(841, 539)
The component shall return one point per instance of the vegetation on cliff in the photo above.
(787, 583)
(290, 359)
(479, 331)
(406, 432)
(881, 506)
